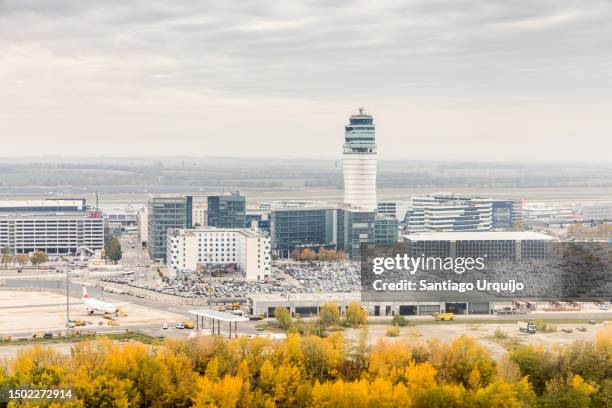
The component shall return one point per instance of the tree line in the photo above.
(311, 371)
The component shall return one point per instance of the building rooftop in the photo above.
(217, 315)
(479, 236)
(301, 297)
(186, 232)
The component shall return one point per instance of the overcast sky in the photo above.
(452, 79)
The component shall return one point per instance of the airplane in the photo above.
(91, 304)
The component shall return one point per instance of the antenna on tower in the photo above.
(97, 201)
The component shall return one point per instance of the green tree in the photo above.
(283, 317)
(38, 258)
(112, 250)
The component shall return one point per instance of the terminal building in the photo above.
(246, 248)
(53, 226)
(498, 245)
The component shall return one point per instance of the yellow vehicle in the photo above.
(221, 308)
(235, 306)
(444, 316)
(80, 323)
(188, 324)
(113, 323)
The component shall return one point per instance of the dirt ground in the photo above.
(484, 333)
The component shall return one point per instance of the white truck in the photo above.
(527, 327)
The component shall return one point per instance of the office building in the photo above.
(52, 226)
(164, 213)
(243, 247)
(143, 225)
(199, 213)
(302, 227)
(385, 230)
(355, 227)
(259, 219)
(359, 162)
(50, 205)
(496, 245)
(227, 211)
(506, 214)
(447, 213)
(394, 209)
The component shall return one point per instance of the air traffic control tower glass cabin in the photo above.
(359, 162)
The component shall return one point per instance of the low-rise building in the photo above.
(248, 249)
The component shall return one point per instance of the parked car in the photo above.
(179, 325)
(165, 326)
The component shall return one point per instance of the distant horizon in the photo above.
(289, 158)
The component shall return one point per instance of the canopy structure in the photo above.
(216, 317)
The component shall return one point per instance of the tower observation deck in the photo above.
(359, 161)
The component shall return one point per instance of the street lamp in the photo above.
(67, 296)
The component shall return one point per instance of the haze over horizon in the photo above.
(445, 80)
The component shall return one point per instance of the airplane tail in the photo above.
(85, 295)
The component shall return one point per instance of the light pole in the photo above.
(67, 297)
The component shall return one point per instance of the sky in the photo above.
(444, 79)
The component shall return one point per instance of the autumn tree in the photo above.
(308, 255)
(6, 255)
(295, 254)
(38, 257)
(356, 315)
(329, 314)
(283, 317)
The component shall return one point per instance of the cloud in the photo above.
(57, 57)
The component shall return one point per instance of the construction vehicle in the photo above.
(188, 324)
(235, 306)
(79, 322)
(113, 323)
(526, 327)
(444, 316)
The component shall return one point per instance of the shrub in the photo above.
(544, 327)
(500, 334)
(400, 321)
(393, 331)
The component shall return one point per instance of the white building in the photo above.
(143, 225)
(446, 213)
(359, 162)
(248, 249)
(394, 209)
(199, 214)
(53, 233)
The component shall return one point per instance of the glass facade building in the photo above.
(304, 227)
(227, 211)
(166, 213)
(385, 230)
